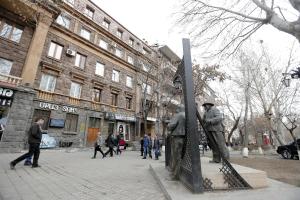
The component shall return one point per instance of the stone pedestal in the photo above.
(176, 190)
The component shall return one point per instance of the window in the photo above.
(97, 95)
(5, 66)
(10, 32)
(114, 99)
(80, 60)
(70, 2)
(75, 90)
(115, 76)
(71, 122)
(48, 83)
(146, 67)
(85, 33)
(131, 42)
(63, 21)
(99, 69)
(119, 33)
(55, 50)
(89, 12)
(129, 81)
(103, 44)
(128, 102)
(130, 60)
(118, 53)
(106, 24)
(147, 88)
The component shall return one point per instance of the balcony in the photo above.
(74, 101)
(10, 80)
(48, 96)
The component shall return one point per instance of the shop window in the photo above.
(47, 83)
(44, 114)
(114, 99)
(128, 102)
(10, 31)
(97, 95)
(55, 50)
(99, 69)
(71, 122)
(75, 90)
(63, 21)
(5, 66)
(80, 60)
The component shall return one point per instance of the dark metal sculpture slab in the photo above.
(190, 173)
(190, 170)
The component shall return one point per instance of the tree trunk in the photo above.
(236, 123)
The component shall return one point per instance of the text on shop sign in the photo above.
(51, 106)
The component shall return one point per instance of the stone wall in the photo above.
(19, 121)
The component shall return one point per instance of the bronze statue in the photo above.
(177, 129)
(212, 120)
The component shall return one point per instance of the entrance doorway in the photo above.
(93, 129)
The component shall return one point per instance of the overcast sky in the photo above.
(153, 21)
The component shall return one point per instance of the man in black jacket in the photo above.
(34, 140)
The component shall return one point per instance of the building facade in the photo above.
(75, 66)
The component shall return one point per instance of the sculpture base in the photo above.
(265, 188)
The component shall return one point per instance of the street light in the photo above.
(294, 74)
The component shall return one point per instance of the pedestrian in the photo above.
(142, 146)
(145, 145)
(98, 144)
(110, 144)
(150, 145)
(156, 147)
(34, 140)
(118, 138)
(28, 161)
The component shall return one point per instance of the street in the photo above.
(75, 175)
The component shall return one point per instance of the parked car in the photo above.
(47, 141)
(289, 151)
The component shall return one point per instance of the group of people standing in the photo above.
(148, 145)
(111, 142)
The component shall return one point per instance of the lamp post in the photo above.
(294, 74)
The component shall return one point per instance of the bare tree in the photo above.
(230, 23)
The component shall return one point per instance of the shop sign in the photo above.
(6, 96)
(51, 106)
(124, 118)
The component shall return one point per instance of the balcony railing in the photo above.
(11, 80)
(74, 101)
(45, 95)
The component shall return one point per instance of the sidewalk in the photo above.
(75, 175)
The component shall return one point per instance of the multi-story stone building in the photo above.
(75, 66)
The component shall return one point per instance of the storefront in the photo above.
(122, 124)
(69, 125)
